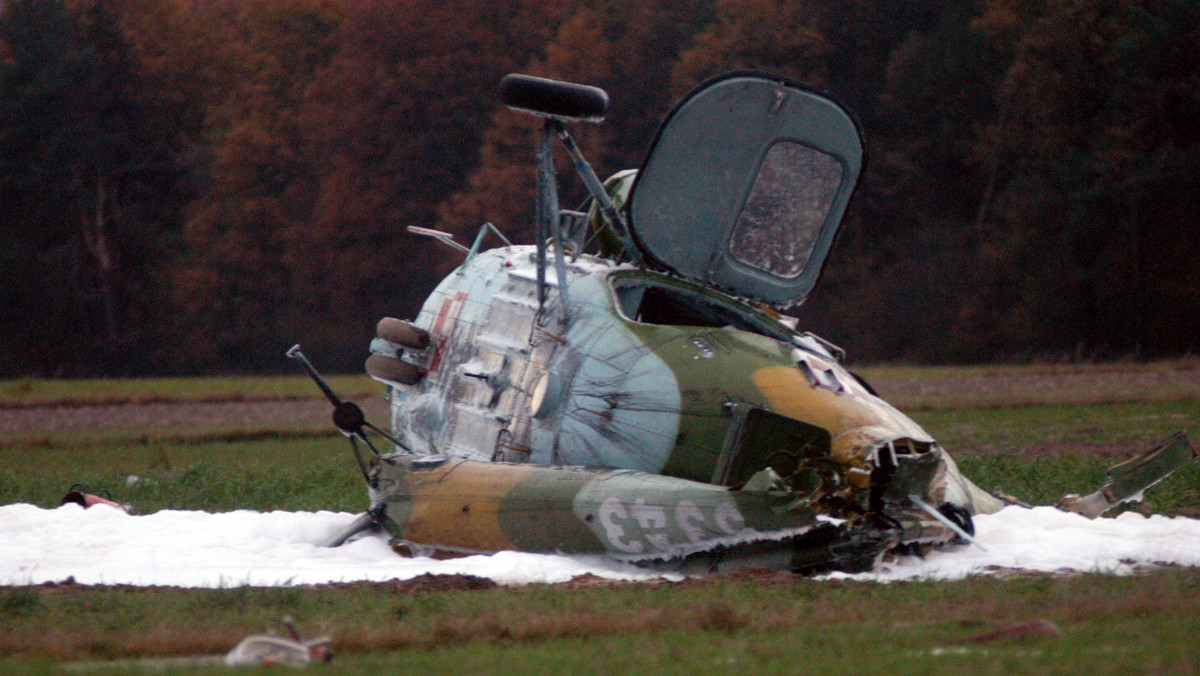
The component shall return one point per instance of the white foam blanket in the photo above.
(104, 545)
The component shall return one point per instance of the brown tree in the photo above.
(624, 48)
(232, 284)
(351, 121)
(86, 146)
(1101, 146)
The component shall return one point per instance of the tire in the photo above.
(392, 370)
(553, 98)
(402, 333)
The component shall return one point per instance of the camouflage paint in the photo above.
(463, 505)
(459, 506)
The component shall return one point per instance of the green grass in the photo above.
(303, 465)
(767, 623)
(1129, 423)
(263, 474)
(1038, 453)
(1043, 482)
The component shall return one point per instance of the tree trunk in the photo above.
(97, 237)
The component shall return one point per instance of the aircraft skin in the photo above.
(645, 401)
(635, 396)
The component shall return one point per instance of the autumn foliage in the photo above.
(191, 186)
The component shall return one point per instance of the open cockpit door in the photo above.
(745, 185)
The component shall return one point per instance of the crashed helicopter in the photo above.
(626, 386)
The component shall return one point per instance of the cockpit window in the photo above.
(645, 301)
(787, 207)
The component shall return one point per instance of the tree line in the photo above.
(191, 186)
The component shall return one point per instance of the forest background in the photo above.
(191, 186)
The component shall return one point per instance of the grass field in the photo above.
(1034, 432)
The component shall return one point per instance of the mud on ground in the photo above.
(72, 416)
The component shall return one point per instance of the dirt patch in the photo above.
(442, 583)
(1008, 389)
(1104, 449)
(1003, 382)
(421, 584)
(175, 414)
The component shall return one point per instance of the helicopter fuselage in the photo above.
(646, 400)
(640, 370)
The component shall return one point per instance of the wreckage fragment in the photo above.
(272, 650)
(77, 495)
(1128, 481)
(256, 650)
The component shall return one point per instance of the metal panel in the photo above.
(745, 186)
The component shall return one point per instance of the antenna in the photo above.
(443, 237)
(347, 416)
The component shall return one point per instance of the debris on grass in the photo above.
(1019, 631)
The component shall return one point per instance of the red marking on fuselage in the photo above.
(443, 326)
